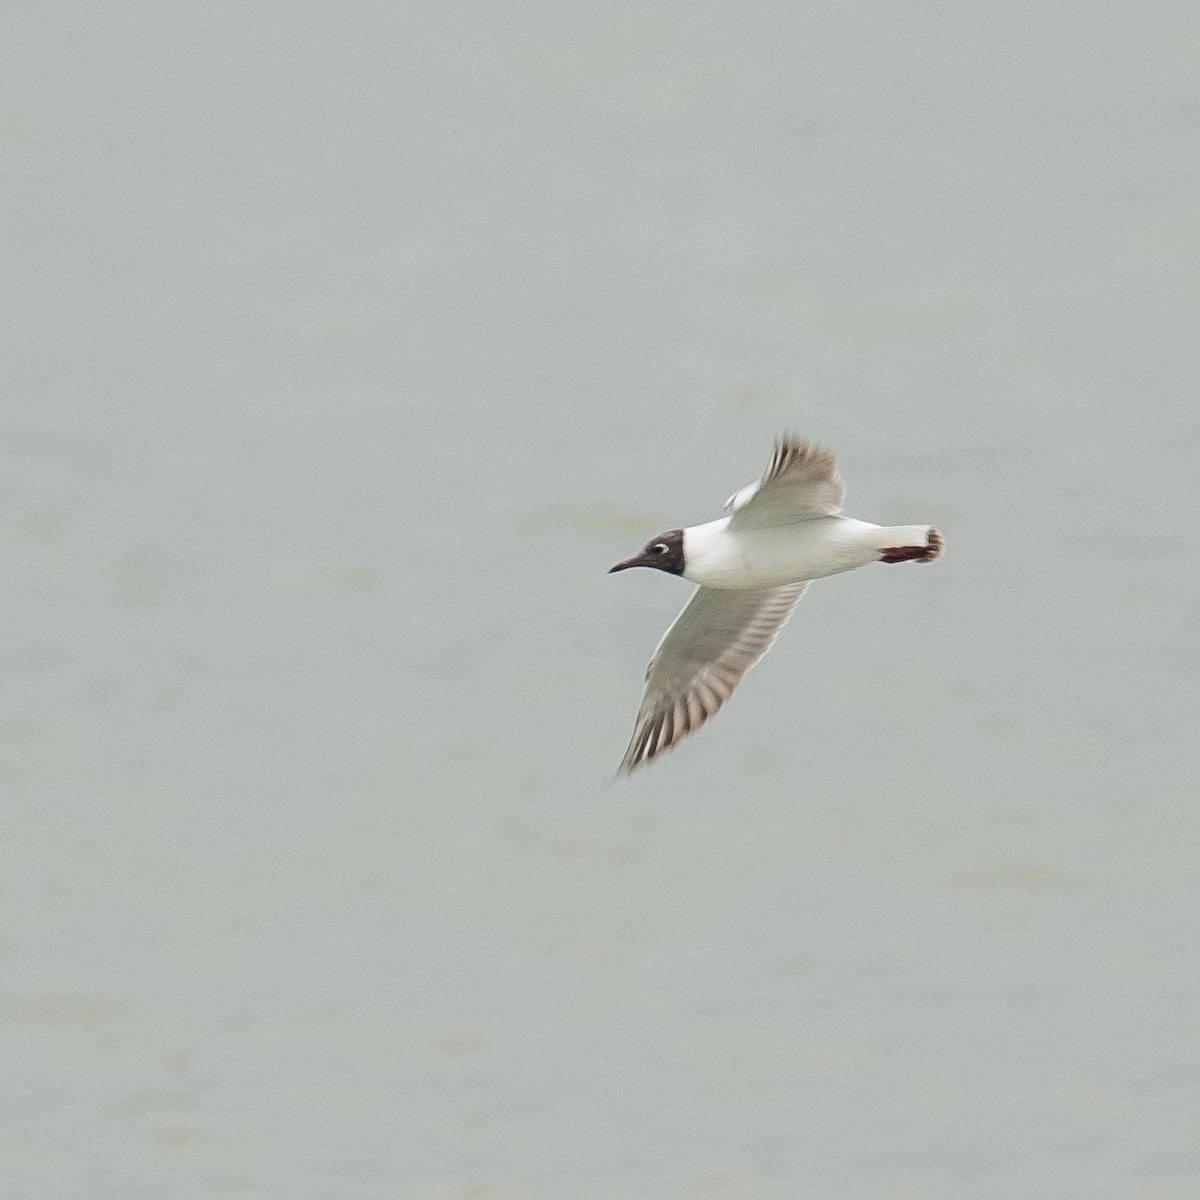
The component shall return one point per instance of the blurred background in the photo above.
(345, 347)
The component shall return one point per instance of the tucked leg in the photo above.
(926, 553)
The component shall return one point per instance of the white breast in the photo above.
(756, 558)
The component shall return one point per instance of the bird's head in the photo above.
(663, 553)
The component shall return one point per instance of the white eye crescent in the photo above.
(660, 548)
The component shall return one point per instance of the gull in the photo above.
(752, 567)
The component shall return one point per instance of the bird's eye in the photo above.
(659, 548)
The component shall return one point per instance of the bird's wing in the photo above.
(713, 642)
(801, 482)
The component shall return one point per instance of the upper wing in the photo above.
(713, 642)
(801, 482)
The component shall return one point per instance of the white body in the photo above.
(752, 567)
(733, 559)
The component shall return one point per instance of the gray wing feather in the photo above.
(801, 482)
(713, 642)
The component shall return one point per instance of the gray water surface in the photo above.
(344, 349)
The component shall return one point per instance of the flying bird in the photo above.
(752, 567)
